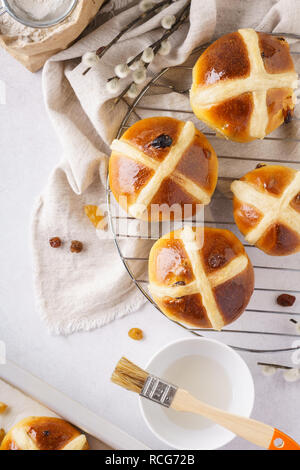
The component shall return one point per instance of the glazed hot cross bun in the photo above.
(44, 433)
(243, 85)
(201, 277)
(267, 208)
(162, 163)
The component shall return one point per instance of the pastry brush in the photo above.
(135, 379)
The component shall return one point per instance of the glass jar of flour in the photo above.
(38, 13)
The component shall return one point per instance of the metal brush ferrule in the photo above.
(158, 391)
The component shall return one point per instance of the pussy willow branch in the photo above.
(276, 366)
(181, 18)
(147, 15)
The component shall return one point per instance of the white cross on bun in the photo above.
(201, 277)
(243, 85)
(44, 433)
(267, 208)
(159, 164)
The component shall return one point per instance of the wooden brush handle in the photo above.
(253, 431)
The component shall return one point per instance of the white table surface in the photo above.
(80, 365)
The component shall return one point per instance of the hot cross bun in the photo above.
(161, 163)
(243, 85)
(44, 433)
(267, 208)
(201, 277)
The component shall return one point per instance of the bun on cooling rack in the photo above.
(243, 85)
(201, 277)
(44, 433)
(267, 208)
(162, 161)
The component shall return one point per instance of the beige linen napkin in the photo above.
(87, 290)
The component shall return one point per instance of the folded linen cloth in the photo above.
(87, 290)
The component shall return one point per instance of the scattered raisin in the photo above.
(207, 153)
(216, 260)
(94, 214)
(3, 407)
(46, 433)
(76, 246)
(136, 334)
(262, 55)
(2, 435)
(55, 242)
(162, 141)
(179, 283)
(286, 300)
(288, 115)
(260, 165)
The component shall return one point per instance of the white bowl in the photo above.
(222, 378)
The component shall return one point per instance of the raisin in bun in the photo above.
(161, 161)
(267, 208)
(201, 277)
(43, 433)
(243, 85)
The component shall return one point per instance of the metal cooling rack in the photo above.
(274, 275)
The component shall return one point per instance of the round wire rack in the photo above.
(274, 275)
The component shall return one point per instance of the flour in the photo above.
(39, 10)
